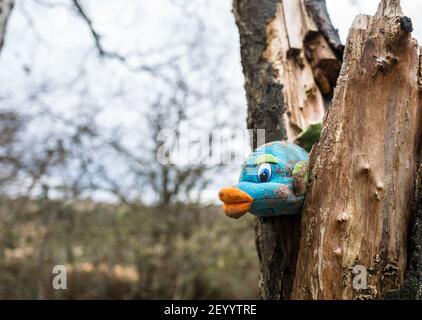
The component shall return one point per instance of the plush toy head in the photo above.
(272, 182)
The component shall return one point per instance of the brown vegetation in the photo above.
(126, 252)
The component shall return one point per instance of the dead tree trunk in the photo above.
(290, 57)
(5, 10)
(412, 288)
(358, 205)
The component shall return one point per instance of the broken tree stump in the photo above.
(359, 200)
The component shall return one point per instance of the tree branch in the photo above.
(94, 33)
(5, 10)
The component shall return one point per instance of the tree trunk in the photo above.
(412, 288)
(358, 205)
(290, 57)
(5, 10)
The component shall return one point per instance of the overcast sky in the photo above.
(342, 13)
(48, 49)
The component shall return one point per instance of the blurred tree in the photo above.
(6, 7)
(60, 162)
(80, 142)
(10, 124)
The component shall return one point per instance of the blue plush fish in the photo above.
(272, 182)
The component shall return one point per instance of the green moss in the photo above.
(309, 136)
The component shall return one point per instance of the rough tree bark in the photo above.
(5, 10)
(291, 60)
(358, 205)
(412, 287)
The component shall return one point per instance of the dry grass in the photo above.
(125, 252)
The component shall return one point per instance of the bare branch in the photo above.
(5, 10)
(95, 34)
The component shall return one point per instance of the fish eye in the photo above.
(264, 172)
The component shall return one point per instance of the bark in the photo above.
(290, 68)
(358, 205)
(412, 288)
(5, 10)
(318, 11)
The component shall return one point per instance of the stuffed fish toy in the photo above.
(272, 182)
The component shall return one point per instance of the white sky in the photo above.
(343, 12)
(56, 47)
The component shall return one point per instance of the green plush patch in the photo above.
(309, 136)
(300, 177)
(266, 158)
(299, 167)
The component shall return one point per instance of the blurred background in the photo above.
(86, 88)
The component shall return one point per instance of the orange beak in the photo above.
(236, 202)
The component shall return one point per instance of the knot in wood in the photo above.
(406, 24)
